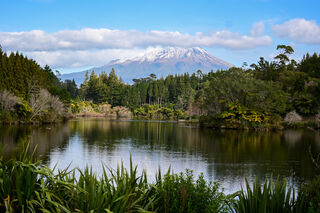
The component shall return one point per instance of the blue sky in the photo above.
(70, 35)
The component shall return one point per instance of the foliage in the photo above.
(283, 56)
(305, 104)
(71, 88)
(21, 82)
(83, 106)
(102, 88)
(309, 196)
(271, 88)
(104, 109)
(178, 90)
(236, 115)
(311, 65)
(29, 186)
(8, 101)
(22, 76)
(236, 85)
(24, 110)
(156, 112)
(46, 107)
(180, 193)
(19, 181)
(270, 197)
(299, 81)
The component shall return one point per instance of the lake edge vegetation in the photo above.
(27, 185)
(282, 93)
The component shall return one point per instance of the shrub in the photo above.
(238, 116)
(24, 110)
(140, 112)
(271, 197)
(8, 101)
(122, 112)
(156, 112)
(46, 107)
(181, 193)
(309, 197)
(179, 114)
(292, 117)
(306, 104)
(166, 113)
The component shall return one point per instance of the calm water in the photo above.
(224, 156)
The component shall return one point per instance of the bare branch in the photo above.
(8, 101)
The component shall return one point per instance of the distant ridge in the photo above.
(162, 62)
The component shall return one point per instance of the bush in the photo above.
(46, 107)
(8, 101)
(309, 197)
(7, 117)
(156, 112)
(24, 110)
(306, 104)
(238, 116)
(139, 112)
(180, 193)
(271, 197)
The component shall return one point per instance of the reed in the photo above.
(27, 185)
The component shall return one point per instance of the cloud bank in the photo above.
(96, 47)
(89, 38)
(300, 30)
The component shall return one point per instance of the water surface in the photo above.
(226, 156)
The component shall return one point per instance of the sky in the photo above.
(73, 35)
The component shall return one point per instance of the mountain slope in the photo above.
(163, 62)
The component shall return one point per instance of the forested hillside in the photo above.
(22, 76)
(253, 96)
(256, 96)
(28, 92)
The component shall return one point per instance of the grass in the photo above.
(26, 185)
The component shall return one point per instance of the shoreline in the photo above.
(283, 125)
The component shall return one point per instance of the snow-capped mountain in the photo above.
(162, 62)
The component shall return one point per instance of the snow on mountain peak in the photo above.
(162, 62)
(174, 55)
(170, 53)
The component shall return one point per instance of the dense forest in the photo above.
(260, 95)
(256, 96)
(28, 92)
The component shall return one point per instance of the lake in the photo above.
(226, 156)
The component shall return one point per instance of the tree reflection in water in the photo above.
(225, 155)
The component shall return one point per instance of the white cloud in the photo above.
(88, 38)
(300, 30)
(95, 47)
(257, 29)
(81, 58)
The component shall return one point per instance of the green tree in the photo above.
(285, 51)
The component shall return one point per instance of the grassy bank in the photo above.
(27, 185)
